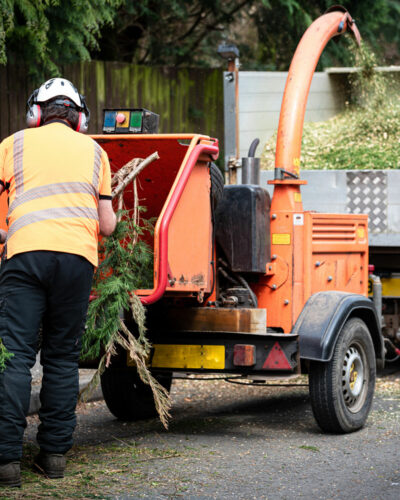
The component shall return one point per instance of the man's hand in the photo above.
(3, 236)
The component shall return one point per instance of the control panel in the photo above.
(130, 121)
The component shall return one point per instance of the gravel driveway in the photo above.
(228, 441)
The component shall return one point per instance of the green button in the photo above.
(136, 119)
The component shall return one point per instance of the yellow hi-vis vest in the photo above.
(55, 177)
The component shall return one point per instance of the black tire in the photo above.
(217, 185)
(342, 390)
(126, 396)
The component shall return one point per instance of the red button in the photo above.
(120, 118)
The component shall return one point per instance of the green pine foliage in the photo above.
(5, 355)
(46, 33)
(126, 265)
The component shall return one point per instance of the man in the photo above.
(59, 193)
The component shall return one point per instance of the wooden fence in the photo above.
(187, 100)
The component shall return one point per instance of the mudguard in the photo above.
(323, 317)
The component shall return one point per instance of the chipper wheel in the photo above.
(217, 185)
(341, 390)
(126, 396)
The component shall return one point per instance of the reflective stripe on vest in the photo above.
(18, 155)
(52, 189)
(97, 163)
(22, 196)
(50, 214)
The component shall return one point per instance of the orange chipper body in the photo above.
(246, 285)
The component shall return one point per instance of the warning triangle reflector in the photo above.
(276, 359)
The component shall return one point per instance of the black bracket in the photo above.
(282, 174)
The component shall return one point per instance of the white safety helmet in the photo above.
(68, 96)
(58, 87)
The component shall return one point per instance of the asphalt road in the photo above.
(227, 441)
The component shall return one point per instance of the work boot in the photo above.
(10, 474)
(51, 465)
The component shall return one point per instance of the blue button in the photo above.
(110, 119)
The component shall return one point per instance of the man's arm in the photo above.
(3, 234)
(107, 217)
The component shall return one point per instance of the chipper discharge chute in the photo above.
(246, 285)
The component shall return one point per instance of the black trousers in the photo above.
(49, 289)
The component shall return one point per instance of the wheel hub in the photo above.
(353, 377)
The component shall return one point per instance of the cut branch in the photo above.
(136, 169)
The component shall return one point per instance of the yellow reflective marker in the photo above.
(193, 357)
(281, 239)
(361, 232)
(297, 197)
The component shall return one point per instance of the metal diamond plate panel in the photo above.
(367, 194)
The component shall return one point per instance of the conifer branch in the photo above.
(5, 355)
(124, 269)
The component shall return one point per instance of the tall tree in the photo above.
(172, 32)
(187, 32)
(46, 33)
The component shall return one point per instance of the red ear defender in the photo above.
(34, 115)
(78, 127)
(83, 123)
(39, 117)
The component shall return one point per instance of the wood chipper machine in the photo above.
(246, 285)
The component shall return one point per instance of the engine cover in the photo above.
(242, 227)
